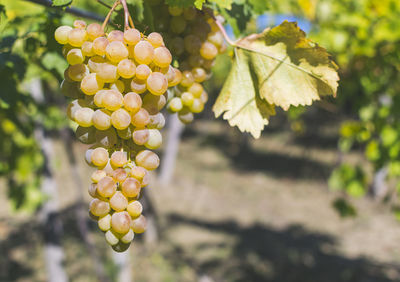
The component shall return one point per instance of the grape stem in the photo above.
(126, 14)
(223, 31)
(116, 3)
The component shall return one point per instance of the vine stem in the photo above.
(116, 3)
(126, 14)
(223, 31)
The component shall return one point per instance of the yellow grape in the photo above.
(92, 190)
(95, 63)
(216, 38)
(76, 37)
(90, 84)
(134, 209)
(138, 86)
(147, 159)
(128, 237)
(79, 24)
(120, 119)
(144, 52)
(139, 224)
(112, 100)
(138, 172)
(99, 157)
(189, 14)
(140, 136)
(204, 97)
(98, 97)
(155, 139)
(157, 83)
(121, 222)
(104, 223)
(118, 202)
(61, 34)
(100, 45)
(155, 39)
(94, 30)
(111, 238)
(187, 79)
(116, 51)
(98, 175)
(107, 72)
(115, 35)
(199, 75)
(101, 119)
(153, 103)
(99, 208)
(178, 24)
(77, 72)
(175, 11)
(143, 72)
(87, 49)
(157, 121)
(132, 36)
(208, 51)
(185, 116)
(175, 104)
(83, 117)
(196, 89)
(197, 106)
(132, 102)
(106, 187)
(187, 98)
(162, 57)
(141, 118)
(130, 187)
(118, 159)
(177, 79)
(126, 68)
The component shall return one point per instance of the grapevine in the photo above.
(119, 83)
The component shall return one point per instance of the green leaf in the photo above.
(199, 4)
(61, 3)
(240, 101)
(225, 4)
(54, 61)
(184, 3)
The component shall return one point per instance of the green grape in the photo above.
(130, 187)
(104, 223)
(175, 11)
(94, 30)
(134, 208)
(192, 44)
(153, 103)
(112, 100)
(115, 35)
(61, 34)
(187, 98)
(197, 106)
(86, 134)
(90, 84)
(118, 202)
(107, 73)
(139, 224)
(87, 49)
(101, 119)
(83, 117)
(70, 89)
(138, 86)
(106, 138)
(132, 102)
(169, 73)
(195, 61)
(120, 119)
(120, 222)
(99, 208)
(162, 57)
(100, 45)
(106, 187)
(76, 37)
(147, 159)
(189, 14)
(99, 157)
(111, 238)
(120, 247)
(155, 139)
(199, 75)
(157, 121)
(144, 52)
(77, 72)
(177, 79)
(178, 24)
(204, 97)
(155, 39)
(143, 72)
(185, 116)
(157, 83)
(132, 36)
(196, 89)
(187, 79)
(175, 105)
(126, 68)
(177, 46)
(128, 237)
(141, 118)
(116, 51)
(98, 175)
(75, 56)
(118, 159)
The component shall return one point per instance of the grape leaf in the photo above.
(226, 4)
(61, 3)
(280, 67)
(240, 101)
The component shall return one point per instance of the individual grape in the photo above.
(195, 61)
(99, 157)
(199, 74)
(120, 247)
(121, 222)
(132, 36)
(187, 79)
(153, 103)
(83, 117)
(144, 52)
(106, 187)
(99, 208)
(86, 134)
(70, 89)
(88, 157)
(119, 175)
(189, 14)
(90, 101)
(216, 38)
(178, 24)
(141, 118)
(113, 100)
(107, 73)
(75, 56)
(79, 24)
(185, 116)
(147, 159)
(87, 49)
(104, 223)
(94, 30)
(92, 190)
(126, 68)
(155, 39)
(175, 105)
(132, 102)
(111, 238)
(90, 84)
(204, 97)
(61, 34)
(157, 121)
(126, 133)
(109, 169)
(196, 89)
(162, 57)
(145, 180)
(120, 119)
(77, 72)
(177, 79)
(128, 237)
(95, 63)
(76, 37)
(118, 159)
(169, 73)
(98, 97)
(140, 136)
(101, 119)
(115, 35)
(138, 86)
(134, 209)
(187, 98)
(192, 44)
(175, 11)
(143, 72)
(65, 49)
(138, 172)
(118, 202)
(100, 45)
(155, 139)
(177, 46)
(139, 224)
(98, 175)
(208, 64)
(130, 187)
(157, 83)
(116, 51)
(106, 138)
(118, 85)
(197, 106)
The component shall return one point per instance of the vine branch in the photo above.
(126, 13)
(116, 3)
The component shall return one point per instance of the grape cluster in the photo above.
(118, 82)
(195, 39)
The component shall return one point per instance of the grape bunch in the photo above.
(118, 82)
(195, 40)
